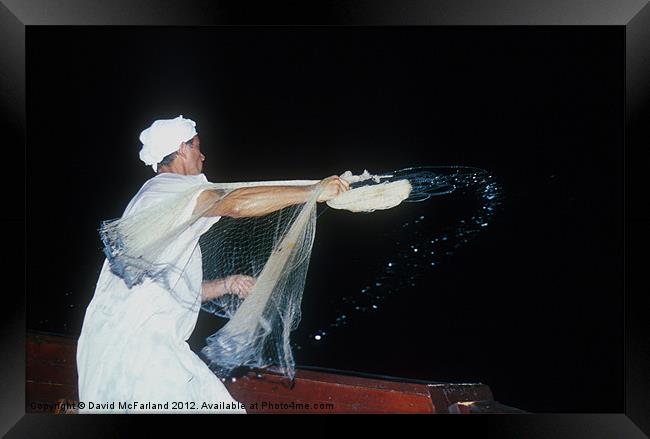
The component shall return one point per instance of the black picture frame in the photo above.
(632, 16)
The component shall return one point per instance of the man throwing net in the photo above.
(132, 354)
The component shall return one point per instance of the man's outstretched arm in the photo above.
(262, 200)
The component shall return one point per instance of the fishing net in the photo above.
(425, 234)
(273, 249)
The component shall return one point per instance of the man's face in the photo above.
(194, 156)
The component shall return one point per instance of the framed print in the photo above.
(483, 256)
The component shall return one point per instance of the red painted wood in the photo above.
(52, 376)
(60, 350)
(44, 371)
(344, 394)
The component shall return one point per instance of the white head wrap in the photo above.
(164, 137)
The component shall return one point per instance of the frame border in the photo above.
(633, 16)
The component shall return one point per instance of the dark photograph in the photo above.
(325, 219)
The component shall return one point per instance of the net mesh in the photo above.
(273, 250)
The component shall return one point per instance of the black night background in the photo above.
(531, 307)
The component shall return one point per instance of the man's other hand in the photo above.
(239, 284)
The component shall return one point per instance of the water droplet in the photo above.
(317, 337)
(233, 379)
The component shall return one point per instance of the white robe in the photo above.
(133, 344)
